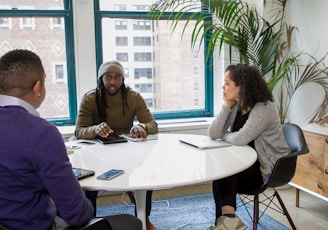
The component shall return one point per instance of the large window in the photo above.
(174, 79)
(45, 27)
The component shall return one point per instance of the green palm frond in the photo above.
(314, 71)
(234, 23)
(256, 41)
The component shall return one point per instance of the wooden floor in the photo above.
(312, 213)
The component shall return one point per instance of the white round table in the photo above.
(157, 164)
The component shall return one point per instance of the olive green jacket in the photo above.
(88, 118)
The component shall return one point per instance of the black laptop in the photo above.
(111, 139)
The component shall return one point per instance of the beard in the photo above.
(112, 90)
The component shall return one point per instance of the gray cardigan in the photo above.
(262, 126)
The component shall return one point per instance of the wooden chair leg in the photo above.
(285, 210)
(297, 198)
(256, 212)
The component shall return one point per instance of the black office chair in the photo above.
(282, 174)
(93, 224)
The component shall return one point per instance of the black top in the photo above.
(239, 122)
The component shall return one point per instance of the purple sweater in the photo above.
(36, 178)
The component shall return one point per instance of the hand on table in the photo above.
(103, 129)
(138, 132)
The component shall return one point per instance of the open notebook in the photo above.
(203, 142)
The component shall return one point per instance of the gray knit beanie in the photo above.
(110, 66)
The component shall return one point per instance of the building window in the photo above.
(5, 22)
(142, 72)
(121, 41)
(196, 86)
(144, 88)
(142, 57)
(196, 100)
(142, 41)
(141, 7)
(122, 57)
(57, 22)
(120, 7)
(141, 25)
(59, 75)
(126, 73)
(196, 70)
(27, 22)
(149, 103)
(121, 25)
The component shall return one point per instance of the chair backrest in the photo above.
(295, 139)
(284, 169)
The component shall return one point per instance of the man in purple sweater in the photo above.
(38, 189)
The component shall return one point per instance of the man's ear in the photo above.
(37, 88)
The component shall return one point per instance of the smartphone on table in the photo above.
(86, 142)
(110, 174)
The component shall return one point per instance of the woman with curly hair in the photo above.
(248, 117)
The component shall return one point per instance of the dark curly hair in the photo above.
(253, 88)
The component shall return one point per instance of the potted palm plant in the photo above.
(254, 39)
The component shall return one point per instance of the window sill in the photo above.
(188, 125)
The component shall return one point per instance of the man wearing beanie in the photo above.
(110, 109)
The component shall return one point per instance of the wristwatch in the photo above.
(143, 126)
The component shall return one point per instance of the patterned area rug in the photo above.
(192, 212)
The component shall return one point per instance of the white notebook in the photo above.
(135, 139)
(203, 142)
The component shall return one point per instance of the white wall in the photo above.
(309, 16)
(85, 51)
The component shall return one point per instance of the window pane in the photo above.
(59, 72)
(121, 25)
(140, 5)
(39, 35)
(6, 22)
(36, 4)
(122, 57)
(121, 41)
(141, 25)
(142, 41)
(179, 81)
